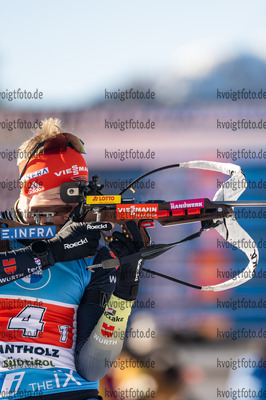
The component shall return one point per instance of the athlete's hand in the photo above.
(127, 250)
(77, 240)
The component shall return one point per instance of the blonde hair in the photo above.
(49, 128)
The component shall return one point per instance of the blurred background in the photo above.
(187, 53)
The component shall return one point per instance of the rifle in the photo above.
(97, 207)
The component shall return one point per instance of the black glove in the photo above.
(128, 274)
(73, 242)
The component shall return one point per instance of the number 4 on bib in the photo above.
(29, 320)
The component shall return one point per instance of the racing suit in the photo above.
(57, 327)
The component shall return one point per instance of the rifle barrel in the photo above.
(243, 203)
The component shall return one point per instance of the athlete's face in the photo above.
(45, 201)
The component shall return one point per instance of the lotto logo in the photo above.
(112, 199)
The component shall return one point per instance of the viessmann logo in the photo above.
(74, 170)
(136, 211)
(110, 199)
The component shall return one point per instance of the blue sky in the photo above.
(73, 50)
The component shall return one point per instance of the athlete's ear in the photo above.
(21, 208)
